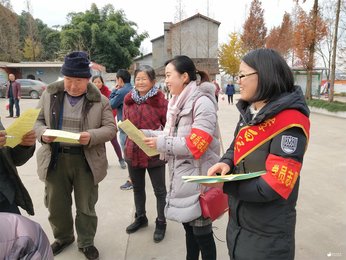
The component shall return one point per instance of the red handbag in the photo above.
(214, 203)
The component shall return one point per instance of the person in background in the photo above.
(217, 90)
(117, 96)
(230, 91)
(13, 93)
(77, 106)
(22, 238)
(146, 107)
(190, 143)
(99, 83)
(13, 193)
(272, 136)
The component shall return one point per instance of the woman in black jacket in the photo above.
(271, 135)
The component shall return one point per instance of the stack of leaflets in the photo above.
(224, 178)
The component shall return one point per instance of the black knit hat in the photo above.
(76, 65)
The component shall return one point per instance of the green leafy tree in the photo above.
(254, 29)
(230, 55)
(106, 34)
(50, 41)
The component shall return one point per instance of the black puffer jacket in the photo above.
(262, 223)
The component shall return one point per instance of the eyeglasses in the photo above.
(240, 76)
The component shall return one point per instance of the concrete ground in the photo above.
(321, 208)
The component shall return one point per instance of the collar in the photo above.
(93, 94)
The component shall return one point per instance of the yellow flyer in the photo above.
(21, 126)
(136, 136)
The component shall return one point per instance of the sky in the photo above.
(149, 15)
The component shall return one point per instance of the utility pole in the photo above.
(335, 42)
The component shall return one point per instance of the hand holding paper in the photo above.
(2, 138)
(223, 178)
(63, 136)
(29, 138)
(136, 136)
(21, 126)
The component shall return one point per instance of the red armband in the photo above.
(282, 174)
(198, 142)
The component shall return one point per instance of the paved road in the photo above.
(321, 209)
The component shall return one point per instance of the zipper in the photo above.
(173, 167)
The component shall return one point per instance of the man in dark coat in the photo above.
(13, 93)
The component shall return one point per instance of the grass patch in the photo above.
(334, 106)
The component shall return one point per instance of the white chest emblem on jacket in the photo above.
(289, 143)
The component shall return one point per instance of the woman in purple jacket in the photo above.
(21, 238)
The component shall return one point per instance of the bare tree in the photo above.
(179, 16)
(7, 4)
(341, 48)
(324, 47)
(335, 40)
(9, 35)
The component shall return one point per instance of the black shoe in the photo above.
(90, 252)
(140, 222)
(58, 247)
(9, 116)
(160, 230)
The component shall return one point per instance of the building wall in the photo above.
(147, 60)
(197, 38)
(159, 52)
(300, 79)
(47, 75)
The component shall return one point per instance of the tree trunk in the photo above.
(308, 91)
(335, 41)
(312, 52)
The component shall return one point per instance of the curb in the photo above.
(327, 113)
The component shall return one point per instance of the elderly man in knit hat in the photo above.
(74, 105)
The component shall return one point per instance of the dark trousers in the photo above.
(199, 239)
(230, 98)
(117, 148)
(15, 102)
(5, 206)
(158, 180)
(72, 174)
